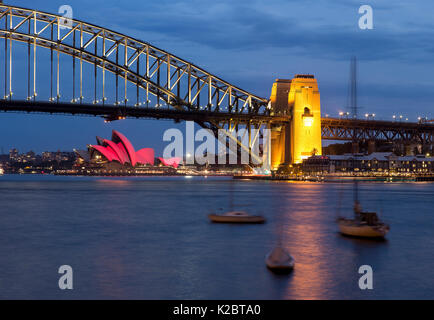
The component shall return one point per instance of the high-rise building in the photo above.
(13, 154)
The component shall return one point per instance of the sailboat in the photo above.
(364, 224)
(233, 216)
(279, 260)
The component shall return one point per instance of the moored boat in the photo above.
(279, 260)
(236, 217)
(362, 228)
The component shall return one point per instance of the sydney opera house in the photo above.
(118, 154)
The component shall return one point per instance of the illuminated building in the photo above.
(379, 162)
(13, 154)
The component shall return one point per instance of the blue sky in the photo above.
(250, 43)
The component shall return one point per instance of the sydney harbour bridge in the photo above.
(51, 64)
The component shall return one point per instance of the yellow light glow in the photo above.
(308, 121)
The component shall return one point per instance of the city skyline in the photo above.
(267, 41)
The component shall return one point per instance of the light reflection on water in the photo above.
(149, 238)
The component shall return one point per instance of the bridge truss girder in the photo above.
(359, 130)
(157, 73)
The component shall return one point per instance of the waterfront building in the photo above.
(377, 162)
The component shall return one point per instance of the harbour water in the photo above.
(149, 238)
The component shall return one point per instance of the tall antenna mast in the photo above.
(353, 77)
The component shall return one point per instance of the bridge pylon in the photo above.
(298, 98)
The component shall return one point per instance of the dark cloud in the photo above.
(242, 25)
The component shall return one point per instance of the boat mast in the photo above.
(231, 196)
(353, 79)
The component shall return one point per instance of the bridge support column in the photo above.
(371, 146)
(409, 149)
(280, 135)
(355, 148)
(298, 98)
(280, 146)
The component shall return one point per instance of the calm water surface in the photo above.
(149, 238)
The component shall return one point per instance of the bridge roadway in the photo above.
(332, 128)
(111, 112)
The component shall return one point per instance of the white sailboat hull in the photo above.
(355, 229)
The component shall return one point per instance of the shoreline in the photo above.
(281, 178)
(339, 178)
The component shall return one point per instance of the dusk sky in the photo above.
(250, 43)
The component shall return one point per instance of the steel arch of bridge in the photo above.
(161, 73)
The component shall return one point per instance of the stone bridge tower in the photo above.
(298, 98)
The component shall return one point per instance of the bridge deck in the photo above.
(113, 112)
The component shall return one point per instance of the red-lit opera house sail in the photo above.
(121, 150)
(146, 156)
(121, 140)
(113, 146)
(172, 162)
(107, 153)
